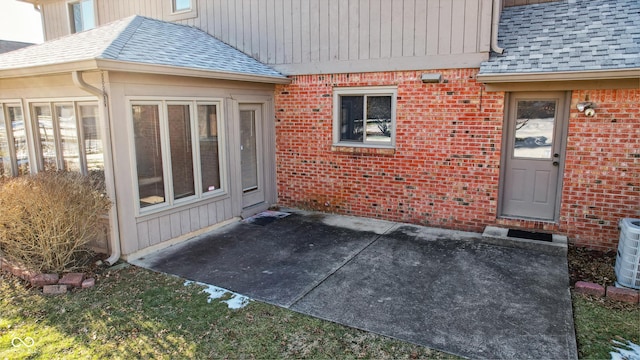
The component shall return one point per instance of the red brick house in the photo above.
(446, 113)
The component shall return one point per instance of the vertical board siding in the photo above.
(297, 31)
(165, 227)
(408, 28)
(311, 31)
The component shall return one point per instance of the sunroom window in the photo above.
(68, 138)
(171, 167)
(14, 153)
(364, 116)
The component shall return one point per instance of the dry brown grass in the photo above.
(47, 219)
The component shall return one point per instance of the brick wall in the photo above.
(602, 169)
(445, 168)
(443, 173)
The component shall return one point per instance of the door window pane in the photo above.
(181, 151)
(249, 158)
(209, 150)
(16, 119)
(46, 135)
(534, 126)
(5, 155)
(146, 123)
(68, 137)
(379, 119)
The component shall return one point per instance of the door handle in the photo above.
(555, 163)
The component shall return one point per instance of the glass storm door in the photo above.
(533, 154)
(251, 154)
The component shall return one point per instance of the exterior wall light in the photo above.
(431, 78)
(587, 107)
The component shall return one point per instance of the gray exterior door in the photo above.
(251, 152)
(533, 155)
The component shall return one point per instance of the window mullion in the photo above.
(81, 142)
(195, 149)
(364, 118)
(165, 148)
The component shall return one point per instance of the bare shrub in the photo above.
(47, 219)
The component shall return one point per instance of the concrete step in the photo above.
(498, 236)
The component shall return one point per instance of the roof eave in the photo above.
(632, 73)
(49, 69)
(134, 67)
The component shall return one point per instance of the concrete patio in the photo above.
(442, 289)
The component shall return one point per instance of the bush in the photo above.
(47, 219)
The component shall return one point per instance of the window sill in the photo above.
(349, 149)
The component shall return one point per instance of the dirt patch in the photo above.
(591, 265)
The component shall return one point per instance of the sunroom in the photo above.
(178, 125)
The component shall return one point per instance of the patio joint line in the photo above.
(337, 268)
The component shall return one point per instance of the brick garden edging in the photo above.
(50, 283)
(611, 292)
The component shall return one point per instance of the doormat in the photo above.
(531, 235)
(265, 217)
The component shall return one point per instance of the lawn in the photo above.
(136, 313)
(599, 321)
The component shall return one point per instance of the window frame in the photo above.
(70, 16)
(170, 14)
(37, 163)
(165, 144)
(366, 91)
(175, 10)
(13, 157)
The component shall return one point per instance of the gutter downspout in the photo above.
(114, 239)
(495, 23)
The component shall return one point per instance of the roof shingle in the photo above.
(142, 40)
(569, 35)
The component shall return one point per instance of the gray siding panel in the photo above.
(312, 34)
(409, 37)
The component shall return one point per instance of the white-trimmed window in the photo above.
(364, 116)
(14, 151)
(82, 15)
(67, 137)
(176, 10)
(180, 5)
(177, 151)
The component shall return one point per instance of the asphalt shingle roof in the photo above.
(6, 45)
(142, 40)
(569, 35)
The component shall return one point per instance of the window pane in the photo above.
(5, 155)
(146, 127)
(534, 129)
(47, 137)
(181, 5)
(379, 119)
(92, 141)
(83, 15)
(209, 150)
(248, 150)
(68, 137)
(181, 151)
(351, 115)
(19, 139)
